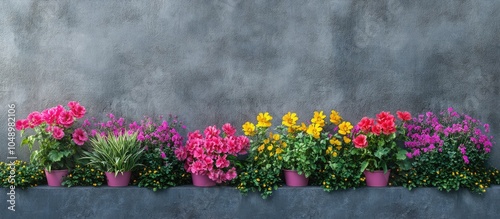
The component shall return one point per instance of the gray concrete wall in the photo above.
(224, 61)
(225, 202)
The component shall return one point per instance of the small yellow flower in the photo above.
(276, 137)
(249, 129)
(264, 120)
(266, 141)
(302, 127)
(279, 150)
(347, 140)
(258, 180)
(270, 147)
(334, 154)
(271, 154)
(283, 144)
(290, 119)
(335, 117)
(261, 148)
(345, 128)
(314, 130)
(335, 141)
(318, 118)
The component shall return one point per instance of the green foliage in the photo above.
(113, 153)
(51, 153)
(84, 175)
(341, 170)
(445, 171)
(262, 169)
(303, 152)
(25, 174)
(161, 173)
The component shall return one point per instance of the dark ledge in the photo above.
(227, 202)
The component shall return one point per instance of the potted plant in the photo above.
(448, 150)
(159, 138)
(262, 169)
(341, 168)
(304, 153)
(58, 142)
(208, 156)
(375, 141)
(116, 155)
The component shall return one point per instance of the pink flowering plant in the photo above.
(212, 152)
(448, 150)
(159, 138)
(375, 141)
(57, 140)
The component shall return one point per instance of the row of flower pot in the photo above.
(332, 147)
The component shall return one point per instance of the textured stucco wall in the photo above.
(224, 61)
(225, 202)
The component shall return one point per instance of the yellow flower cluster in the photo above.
(335, 118)
(249, 129)
(273, 145)
(314, 130)
(264, 120)
(330, 151)
(318, 118)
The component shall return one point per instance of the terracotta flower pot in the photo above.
(55, 177)
(377, 178)
(292, 178)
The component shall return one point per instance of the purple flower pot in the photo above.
(55, 177)
(202, 180)
(377, 178)
(292, 178)
(122, 179)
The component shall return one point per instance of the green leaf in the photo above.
(55, 156)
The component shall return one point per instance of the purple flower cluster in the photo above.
(429, 132)
(149, 133)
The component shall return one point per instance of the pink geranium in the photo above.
(57, 132)
(54, 133)
(77, 110)
(66, 119)
(209, 154)
(80, 136)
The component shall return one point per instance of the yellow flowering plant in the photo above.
(341, 169)
(262, 169)
(304, 144)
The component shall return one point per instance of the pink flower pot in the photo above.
(122, 179)
(55, 177)
(377, 178)
(292, 178)
(202, 180)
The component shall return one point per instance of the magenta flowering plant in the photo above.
(159, 138)
(448, 150)
(57, 140)
(211, 153)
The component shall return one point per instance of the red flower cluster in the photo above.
(385, 123)
(207, 154)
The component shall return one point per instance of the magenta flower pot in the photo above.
(292, 178)
(377, 178)
(122, 179)
(202, 180)
(55, 177)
